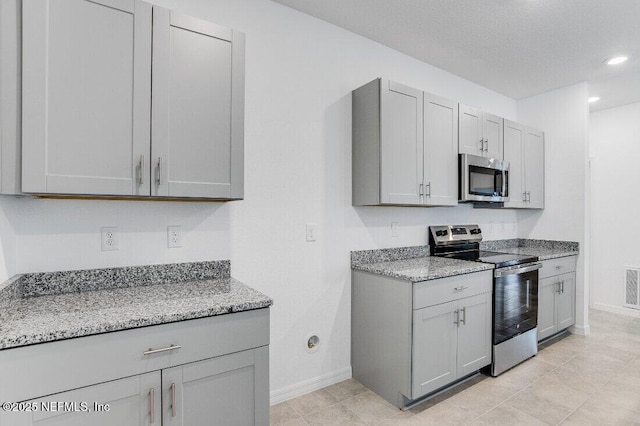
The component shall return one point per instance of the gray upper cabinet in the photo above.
(401, 148)
(198, 108)
(95, 71)
(480, 133)
(440, 151)
(524, 149)
(533, 160)
(86, 97)
(404, 146)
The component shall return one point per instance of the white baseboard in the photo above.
(582, 330)
(306, 386)
(617, 309)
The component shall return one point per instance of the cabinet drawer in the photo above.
(561, 265)
(434, 292)
(47, 368)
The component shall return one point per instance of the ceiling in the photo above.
(518, 48)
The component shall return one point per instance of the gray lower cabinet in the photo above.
(106, 111)
(450, 341)
(130, 401)
(410, 339)
(209, 371)
(404, 146)
(556, 296)
(228, 390)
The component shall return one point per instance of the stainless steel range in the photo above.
(515, 292)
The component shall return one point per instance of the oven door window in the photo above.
(485, 181)
(515, 307)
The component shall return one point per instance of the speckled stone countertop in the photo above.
(422, 268)
(26, 319)
(544, 249)
(414, 263)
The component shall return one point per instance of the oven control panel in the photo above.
(454, 234)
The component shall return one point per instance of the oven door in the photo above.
(515, 301)
(483, 179)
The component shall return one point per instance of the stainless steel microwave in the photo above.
(483, 179)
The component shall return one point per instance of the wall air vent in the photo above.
(632, 287)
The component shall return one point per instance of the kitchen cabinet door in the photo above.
(131, 402)
(534, 168)
(440, 151)
(86, 96)
(198, 108)
(470, 131)
(547, 290)
(474, 333)
(228, 390)
(565, 301)
(493, 134)
(513, 146)
(434, 348)
(401, 150)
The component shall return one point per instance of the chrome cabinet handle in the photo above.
(421, 189)
(524, 197)
(152, 406)
(562, 287)
(486, 141)
(482, 145)
(141, 179)
(457, 321)
(558, 290)
(428, 189)
(159, 176)
(151, 351)
(528, 197)
(173, 399)
(558, 267)
(462, 287)
(464, 316)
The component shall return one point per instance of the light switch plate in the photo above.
(312, 232)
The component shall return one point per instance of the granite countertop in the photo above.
(541, 252)
(26, 320)
(414, 263)
(543, 249)
(422, 268)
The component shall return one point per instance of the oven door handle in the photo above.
(498, 273)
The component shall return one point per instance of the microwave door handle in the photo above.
(504, 183)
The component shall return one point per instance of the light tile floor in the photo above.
(575, 380)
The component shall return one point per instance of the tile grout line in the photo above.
(598, 388)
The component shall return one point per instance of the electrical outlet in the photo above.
(312, 232)
(109, 238)
(174, 236)
(394, 229)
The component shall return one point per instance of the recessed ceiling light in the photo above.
(616, 60)
(593, 99)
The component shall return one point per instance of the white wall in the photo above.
(614, 136)
(299, 75)
(563, 114)
(52, 235)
